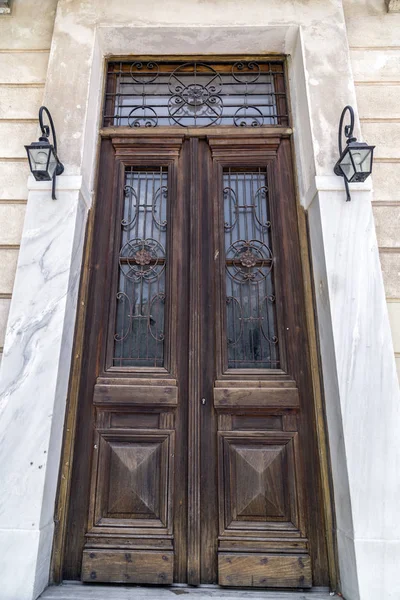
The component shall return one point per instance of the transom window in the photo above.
(195, 94)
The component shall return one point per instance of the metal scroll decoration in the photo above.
(143, 116)
(196, 94)
(139, 328)
(252, 341)
(247, 115)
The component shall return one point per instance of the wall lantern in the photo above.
(43, 159)
(355, 161)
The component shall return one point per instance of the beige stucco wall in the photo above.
(374, 39)
(25, 39)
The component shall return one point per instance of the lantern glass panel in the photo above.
(347, 166)
(39, 158)
(52, 164)
(362, 158)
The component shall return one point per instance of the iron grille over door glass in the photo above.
(250, 294)
(195, 94)
(139, 326)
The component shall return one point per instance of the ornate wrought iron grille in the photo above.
(195, 94)
(250, 295)
(139, 325)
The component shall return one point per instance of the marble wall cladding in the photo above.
(21, 585)
(35, 372)
(367, 385)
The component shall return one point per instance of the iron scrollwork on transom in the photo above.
(196, 90)
(196, 94)
(139, 329)
(252, 341)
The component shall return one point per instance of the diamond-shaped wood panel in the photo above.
(134, 487)
(257, 482)
(260, 488)
(134, 474)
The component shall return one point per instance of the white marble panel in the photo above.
(25, 577)
(33, 366)
(378, 564)
(368, 386)
(34, 376)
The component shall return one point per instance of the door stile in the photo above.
(77, 509)
(264, 414)
(194, 384)
(208, 421)
(299, 361)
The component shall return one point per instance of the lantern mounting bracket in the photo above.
(348, 132)
(45, 129)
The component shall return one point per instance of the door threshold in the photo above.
(80, 591)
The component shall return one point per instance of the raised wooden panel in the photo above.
(134, 484)
(255, 422)
(264, 570)
(146, 395)
(262, 469)
(283, 545)
(258, 482)
(121, 566)
(134, 475)
(135, 420)
(252, 397)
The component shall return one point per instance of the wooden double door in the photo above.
(196, 456)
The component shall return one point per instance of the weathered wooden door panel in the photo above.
(262, 384)
(200, 438)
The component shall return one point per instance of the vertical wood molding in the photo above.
(194, 388)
